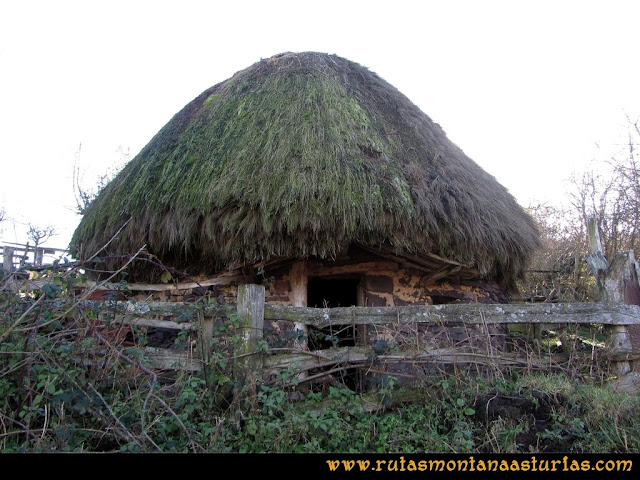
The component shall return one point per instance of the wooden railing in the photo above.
(250, 354)
(16, 255)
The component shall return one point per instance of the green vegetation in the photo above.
(72, 381)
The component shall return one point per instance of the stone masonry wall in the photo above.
(391, 287)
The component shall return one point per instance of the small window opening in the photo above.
(442, 299)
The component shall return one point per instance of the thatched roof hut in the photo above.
(301, 156)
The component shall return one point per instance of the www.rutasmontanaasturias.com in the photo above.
(532, 464)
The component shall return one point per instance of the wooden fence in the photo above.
(16, 255)
(616, 279)
(250, 355)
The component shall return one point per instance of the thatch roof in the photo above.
(301, 155)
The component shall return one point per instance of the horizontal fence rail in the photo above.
(548, 313)
(252, 313)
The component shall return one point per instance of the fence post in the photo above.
(206, 332)
(247, 356)
(620, 286)
(38, 256)
(611, 278)
(7, 259)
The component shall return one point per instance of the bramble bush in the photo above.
(72, 381)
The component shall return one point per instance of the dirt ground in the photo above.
(534, 412)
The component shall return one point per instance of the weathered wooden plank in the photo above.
(552, 313)
(154, 309)
(150, 322)
(226, 278)
(512, 313)
(163, 358)
(324, 270)
(366, 355)
(222, 279)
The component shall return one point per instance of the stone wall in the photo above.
(399, 288)
(408, 287)
(389, 285)
(381, 283)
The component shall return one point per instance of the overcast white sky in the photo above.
(526, 88)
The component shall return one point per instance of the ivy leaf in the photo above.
(51, 290)
(380, 347)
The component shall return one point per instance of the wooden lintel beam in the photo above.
(324, 269)
(429, 264)
(439, 274)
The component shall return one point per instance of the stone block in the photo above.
(281, 287)
(376, 301)
(378, 283)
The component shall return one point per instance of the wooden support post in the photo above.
(206, 335)
(7, 259)
(247, 356)
(299, 281)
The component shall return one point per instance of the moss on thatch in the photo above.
(301, 155)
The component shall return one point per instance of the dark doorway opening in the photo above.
(332, 293)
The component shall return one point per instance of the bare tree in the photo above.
(558, 271)
(84, 195)
(39, 235)
(607, 190)
(610, 193)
